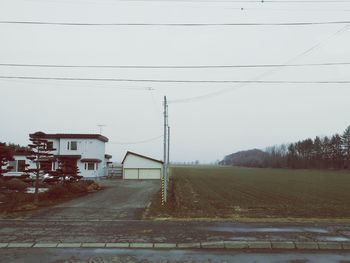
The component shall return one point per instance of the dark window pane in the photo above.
(73, 146)
(13, 164)
(21, 165)
(91, 166)
(49, 145)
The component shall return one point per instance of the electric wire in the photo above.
(182, 81)
(174, 66)
(267, 73)
(174, 24)
(138, 142)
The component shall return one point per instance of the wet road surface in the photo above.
(34, 230)
(164, 256)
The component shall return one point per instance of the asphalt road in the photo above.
(164, 256)
(120, 199)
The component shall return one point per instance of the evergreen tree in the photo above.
(6, 155)
(41, 156)
(67, 170)
(317, 153)
(336, 151)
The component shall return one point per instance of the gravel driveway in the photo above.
(120, 199)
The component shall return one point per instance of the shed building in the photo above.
(137, 166)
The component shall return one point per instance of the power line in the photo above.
(223, 1)
(241, 1)
(83, 87)
(175, 24)
(137, 142)
(181, 81)
(175, 66)
(268, 72)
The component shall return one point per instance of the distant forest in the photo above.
(319, 153)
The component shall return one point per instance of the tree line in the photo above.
(328, 152)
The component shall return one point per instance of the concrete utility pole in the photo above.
(165, 157)
(168, 159)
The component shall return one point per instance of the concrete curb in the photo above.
(232, 245)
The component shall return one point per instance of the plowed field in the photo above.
(230, 192)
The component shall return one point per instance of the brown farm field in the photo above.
(233, 192)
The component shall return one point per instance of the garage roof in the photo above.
(142, 156)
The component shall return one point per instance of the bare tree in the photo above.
(346, 147)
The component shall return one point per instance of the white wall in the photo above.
(21, 157)
(133, 161)
(88, 149)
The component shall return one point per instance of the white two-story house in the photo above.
(86, 151)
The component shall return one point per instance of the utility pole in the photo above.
(165, 152)
(168, 159)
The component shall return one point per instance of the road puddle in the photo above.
(268, 229)
(333, 238)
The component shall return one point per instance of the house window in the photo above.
(13, 164)
(18, 165)
(73, 145)
(91, 166)
(49, 145)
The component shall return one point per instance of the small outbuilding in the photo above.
(137, 166)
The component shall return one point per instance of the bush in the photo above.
(15, 200)
(77, 187)
(57, 191)
(93, 187)
(16, 184)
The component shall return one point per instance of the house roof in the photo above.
(21, 153)
(75, 156)
(90, 160)
(70, 136)
(142, 156)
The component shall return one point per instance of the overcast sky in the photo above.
(239, 117)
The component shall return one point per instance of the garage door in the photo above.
(131, 174)
(149, 174)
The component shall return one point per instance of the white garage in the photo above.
(140, 167)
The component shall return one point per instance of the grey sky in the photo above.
(247, 116)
